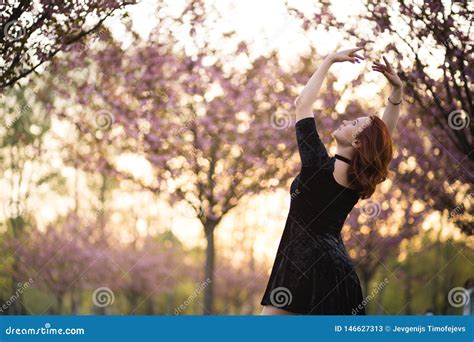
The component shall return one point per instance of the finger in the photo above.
(387, 63)
(380, 65)
(356, 49)
(383, 71)
(379, 68)
(358, 56)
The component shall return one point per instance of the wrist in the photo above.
(396, 102)
(397, 90)
(329, 58)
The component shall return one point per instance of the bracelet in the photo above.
(393, 102)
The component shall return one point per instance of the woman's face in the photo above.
(347, 132)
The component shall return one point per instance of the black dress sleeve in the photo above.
(313, 154)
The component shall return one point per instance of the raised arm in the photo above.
(392, 111)
(309, 94)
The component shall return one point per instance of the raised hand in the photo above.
(387, 70)
(349, 55)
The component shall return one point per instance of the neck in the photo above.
(345, 152)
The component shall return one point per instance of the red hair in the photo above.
(370, 159)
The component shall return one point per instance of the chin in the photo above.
(337, 137)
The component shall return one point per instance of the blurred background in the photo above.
(147, 150)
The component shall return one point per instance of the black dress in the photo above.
(312, 273)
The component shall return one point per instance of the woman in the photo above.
(312, 273)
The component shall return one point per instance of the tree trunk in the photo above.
(102, 199)
(435, 286)
(447, 279)
(209, 271)
(16, 308)
(380, 307)
(169, 303)
(150, 309)
(75, 301)
(60, 301)
(133, 301)
(250, 296)
(366, 277)
(98, 310)
(408, 286)
(17, 225)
